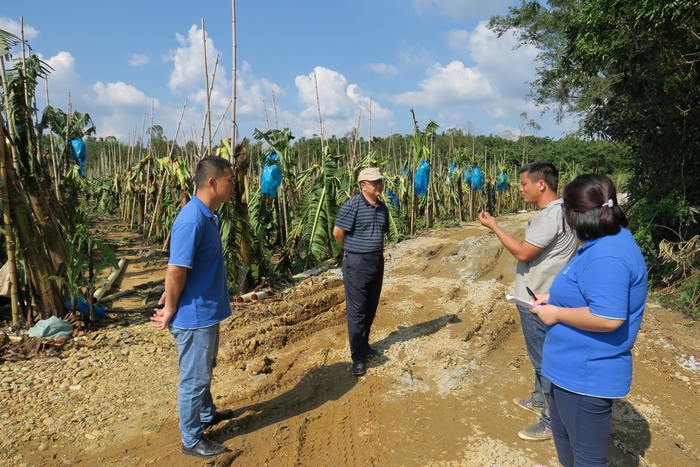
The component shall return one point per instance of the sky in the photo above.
(363, 63)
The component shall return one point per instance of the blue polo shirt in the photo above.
(609, 276)
(195, 243)
(364, 224)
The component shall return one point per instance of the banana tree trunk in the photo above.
(9, 236)
(39, 264)
(459, 199)
(241, 206)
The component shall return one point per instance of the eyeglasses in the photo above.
(375, 183)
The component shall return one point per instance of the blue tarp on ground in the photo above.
(51, 328)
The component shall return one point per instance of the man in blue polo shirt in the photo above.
(195, 301)
(359, 230)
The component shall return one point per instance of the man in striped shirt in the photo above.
(359, 230)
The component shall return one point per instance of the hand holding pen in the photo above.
(542, 300)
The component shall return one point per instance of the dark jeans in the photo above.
(581, 426)
(363, 275)
(534, 332)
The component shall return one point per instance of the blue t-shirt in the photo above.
(364, 224)
(195, 243)
(609, 276)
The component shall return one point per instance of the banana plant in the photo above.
(280, 141)
(77, 126)
(81, 277)
(397, 217)
(311, 238)
(419, 151)
(264, 230)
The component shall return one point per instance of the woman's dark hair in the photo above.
(587, 208)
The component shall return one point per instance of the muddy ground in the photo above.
(440, 394)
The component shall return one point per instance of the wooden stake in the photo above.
(10, 245)
(207, 116)
(318, 106)
(232, 157)
(274, 107)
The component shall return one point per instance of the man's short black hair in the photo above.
(542, 170)
(210, 167)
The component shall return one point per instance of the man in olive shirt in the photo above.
(359, 230)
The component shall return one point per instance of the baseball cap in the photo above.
(369, 175)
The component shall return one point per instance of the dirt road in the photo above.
(440, 394)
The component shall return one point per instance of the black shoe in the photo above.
(371, 351)
(204, 449)
(358, 368)
(218, 418)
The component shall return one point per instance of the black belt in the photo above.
(371, 253)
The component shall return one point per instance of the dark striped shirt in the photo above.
(364, 224)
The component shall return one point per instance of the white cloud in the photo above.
(458, 39)
(120, 94)
(460, 8)
(451, 85)
(64, 80)
(508, 68)
(138, 59)
(251, 91)
(495, 84)
(341, 103)
(188, 60)
(114, 107)
(121, 107)
(382, 68)
(12, 26)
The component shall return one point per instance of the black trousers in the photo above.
(363, 275)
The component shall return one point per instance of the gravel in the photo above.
(87, 394)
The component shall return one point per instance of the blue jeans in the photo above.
(534, 332)
(581, 426)
(197, 350)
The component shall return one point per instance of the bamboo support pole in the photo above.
(159, 199)
(233, 81)
(207, 116)
(10, 245)
(369, 129)
(54, 158)
(10, 117)
(274, 108)
(221, 120)
(318, 107)
(132, 290)
(99, 293)
(148, 171)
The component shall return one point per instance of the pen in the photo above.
(532, 294)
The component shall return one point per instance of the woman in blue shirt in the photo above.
(593, 312)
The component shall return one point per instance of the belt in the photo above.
(371, 253)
